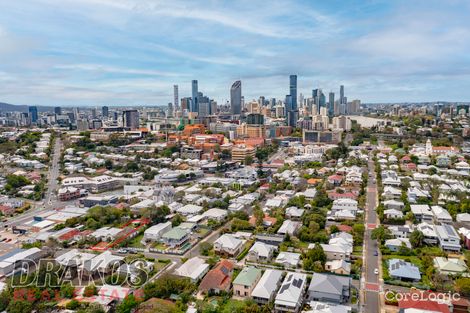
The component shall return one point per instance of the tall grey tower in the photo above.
(291, 102)
(236, 97)
(194, 103)
(341, 94)
(175, 97)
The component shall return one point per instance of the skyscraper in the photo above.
(341, 94)
(58, 110)
(194, 102)
(175, 97)
(331, 104)
(236, 97)
(105, 111)
(130, 118)
(291, 102)
(33, 112)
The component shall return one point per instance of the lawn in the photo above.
(136, 241)
(357, 250)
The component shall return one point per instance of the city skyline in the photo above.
(97, 52)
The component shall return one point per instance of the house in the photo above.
(414, 193)
(218, 279)
(463, 218)
(288, 259)
(270, 239)
(194, 268)
(393, 214)
(335, 252)
(429, 232)
(74, 258)
(261, 252)
(102, 263)
(215, 214)
(322, 307)
(245, 282)
(441, 215)
(176, 237)
(399, 269)
(335, 180)
(394, 204)
(422, 212)
(267, 286)
(290, 295)
(155, 232)
(329, 288)
(448, 238)
(294, 213)
(344, 205)
(189, 209)
(391, 193)
(228, 245)
(340, 267)
(289, 227)
(451, 266)
(106, 233)
(395, 244)
(310, 194)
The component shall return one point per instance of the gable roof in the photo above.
(219, 277)
(267, 285)
(329, 283)
(248, 276)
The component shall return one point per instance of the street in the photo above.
(371, 262)
(50, 199)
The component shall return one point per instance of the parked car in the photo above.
(376, 271)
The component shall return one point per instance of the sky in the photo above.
(125, 52)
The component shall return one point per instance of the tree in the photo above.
(416, 238)
(248, 160)
(314, 255)
(72, 305)
(380, 233)
(205, 248)
(67, 291)
(462, 285)
(127, 305)
(132, 167)
(108, 164)
(90, 291)
(334, 229)
(20, 306)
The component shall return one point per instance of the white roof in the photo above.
(290, 258)
(288, 227)
(190, 209)
(291, 289)
(228, 241)
(262, 248)
(156, 229)
(215, 213)
(267, 285)
(192, 268)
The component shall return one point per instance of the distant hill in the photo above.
(6, 107)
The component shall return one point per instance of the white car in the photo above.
(376, 271)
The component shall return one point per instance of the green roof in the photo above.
(176, 233)
(248, 276)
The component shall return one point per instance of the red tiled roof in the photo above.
(345, 228)
(219, 277)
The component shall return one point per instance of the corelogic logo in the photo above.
(421, 295)
(49, 273)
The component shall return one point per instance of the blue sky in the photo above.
(118, 52)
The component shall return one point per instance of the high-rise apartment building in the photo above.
(105, 111)
(175, 97)
(58, 110)
(236, 97)
(33, 112)
(130, 118)
(341, 94)
(331, 103)
(291, 102)
(194, 95)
